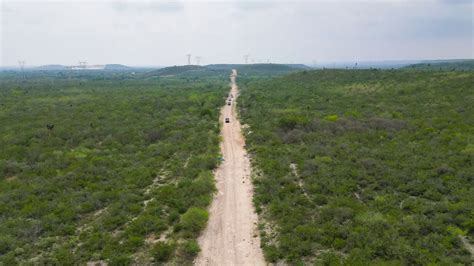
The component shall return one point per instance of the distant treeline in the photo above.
(454, 65)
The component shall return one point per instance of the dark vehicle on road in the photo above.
(227, 120)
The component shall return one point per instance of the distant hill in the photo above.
(50, 68)
(175, 70)
(300, 66)
(462, 64)
(117, 67)
(266, 67)
(224, 69)
(384, 64)
(9, 68)
(271, 67)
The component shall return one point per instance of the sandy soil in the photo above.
(231, 236)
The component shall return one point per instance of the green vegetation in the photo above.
(362, 167)
(103, 167)
(194, 220)
(353, 167)
(451, 65)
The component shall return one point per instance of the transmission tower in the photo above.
(198, 60)
(246, 58)
(189, 59)
(22, 68)
(83, 64)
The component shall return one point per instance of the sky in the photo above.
(159, 33)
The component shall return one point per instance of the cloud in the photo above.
(254, 5)
(457, 2)
(436, 28)
(148, 6)
(147, 32)
(4, 8)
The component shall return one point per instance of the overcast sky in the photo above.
(163, 32)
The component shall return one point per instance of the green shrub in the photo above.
(162, 251)
(6, 244)
(292, 121)
(329, 259)
(331, 118)
(64, 256)
(193, 221)
(132, 243)
(191, 248)
(271, 253)
(120, 260)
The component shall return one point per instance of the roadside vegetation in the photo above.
(106, 167)
(363, 167)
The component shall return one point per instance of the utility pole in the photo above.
(22, 68)
(198, 60)
(189, 59)
(246, 58)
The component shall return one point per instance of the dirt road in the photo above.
(231, 236)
